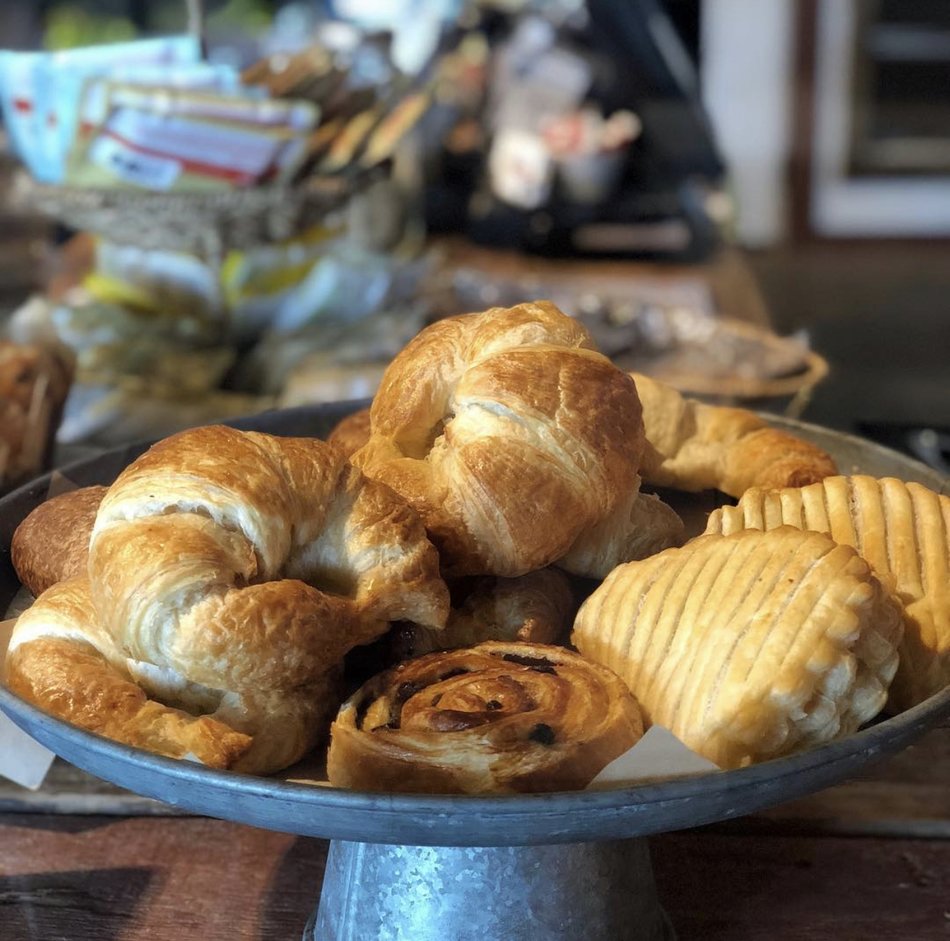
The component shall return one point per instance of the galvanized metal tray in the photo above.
(458, 820)
(414, 822)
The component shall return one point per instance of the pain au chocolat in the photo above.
(748, 646)
(902, 530)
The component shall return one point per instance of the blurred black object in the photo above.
(929, 445)
(638, 63)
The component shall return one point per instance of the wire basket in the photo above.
(204, 224)
(207, 224)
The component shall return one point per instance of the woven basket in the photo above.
(789, 393)
(204, 224)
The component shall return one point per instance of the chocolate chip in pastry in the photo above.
(748, 646)
(497, 718)
(903, 531)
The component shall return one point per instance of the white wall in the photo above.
(747, 60)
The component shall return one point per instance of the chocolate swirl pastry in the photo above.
(497, 718)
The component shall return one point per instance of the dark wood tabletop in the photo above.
(84, 861)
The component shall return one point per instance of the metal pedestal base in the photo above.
(593, 891)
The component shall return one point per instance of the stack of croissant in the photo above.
(203, 606)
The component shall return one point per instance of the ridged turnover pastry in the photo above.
(496, 718)
(748, 646)
(903, 531)
(693, 446)
(518, 443)
(233, 571)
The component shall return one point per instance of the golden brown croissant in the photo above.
(240, 568)
(693, 446)
(536, 608)
(500, 717)
(52, 543)
(903, 531)
(62, 660)
(748, 646)
(515, 440)
(351, 433)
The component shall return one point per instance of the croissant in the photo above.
(497, 718)
(535, 608)
(52, 543)
(903, 531)
(693, 446)
(61, 659)
(234, 570)
(515, 440)
(748, 646)
(351, 433)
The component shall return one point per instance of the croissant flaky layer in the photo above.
(514, 439)
(902, 530)
(748, 646)
(694, 446)
(229, 573)
(496, 718)
(61, 659)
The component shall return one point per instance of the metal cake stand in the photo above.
(545, 867)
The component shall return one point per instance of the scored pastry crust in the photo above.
(903, 531)
(535, 608)
(239, 568)
(502, 717)
(748, 646)
(52, 543)
(693, 446)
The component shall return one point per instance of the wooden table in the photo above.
(83, 861)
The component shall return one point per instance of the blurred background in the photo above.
(747, 198)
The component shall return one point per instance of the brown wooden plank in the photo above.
(719, 888)
(150, 880)
(155, 879)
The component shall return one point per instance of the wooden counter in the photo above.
(84, 861)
